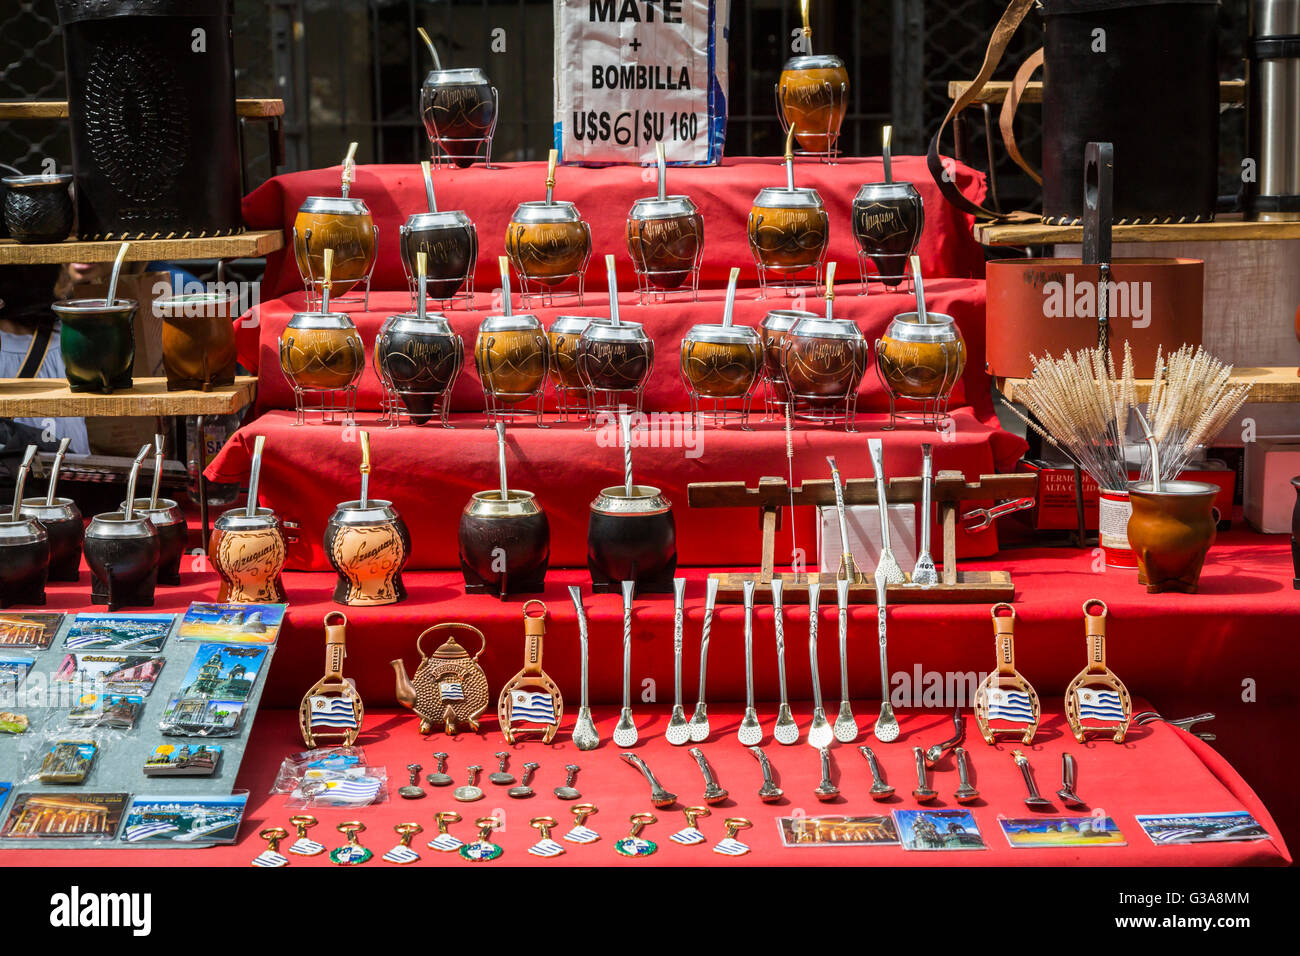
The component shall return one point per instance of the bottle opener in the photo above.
(729, 845)
(402, 852)
(441, 778)
(939, 751)
(769, 792)
(304, 845)
(633, 844)
(1005, 695)
(332, 708)
(690, 835)
(699, 723)
(1097, 701)
(923, 793)
(482, 850)
(786, 730)
(470, 792)
(750, 731)
(413, 790)
(524, 790)
(1035, 800)
(501, 778)
(352, 853)
(585, 736)
(966, 793)
(581, 833)
(444, 841)
(713, 793)
(530, 697)
(625, 734)
(1069, 780)
(659, 797)
(678, 731)
(271, 856)
(568, 791)
(880, 790)
(545, 847)
(826, 790)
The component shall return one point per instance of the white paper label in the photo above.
(1112, 521)
(633, 73)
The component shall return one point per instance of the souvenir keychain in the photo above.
(633, 844)
(729, 845)
(567, 790)
(581, 833)
(545, 847)
(353, 853)
(1097, 701)
(531, 697)
(1005, 695)
(402, 852)
(482, 850)
(524, 790)
(471, 791)
(444, 841)
(440, 778)
(413, 790)
(271, 856)
(304, 845)
(501, 778)
(332, 708)
(690, 834)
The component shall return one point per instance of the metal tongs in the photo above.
(980, 518)
(1182, 723)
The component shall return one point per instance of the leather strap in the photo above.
(1004, 630)
(335, 645)
(36, 350)
(1095, 628)
(534, 631)
(1006, 120)
(1002, 33)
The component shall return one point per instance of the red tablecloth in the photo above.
(1157, 770)
(603, 196)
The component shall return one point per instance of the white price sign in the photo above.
(633, 73)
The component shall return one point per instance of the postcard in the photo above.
(140, 633)
(28, 630)
(938, 830)
(1061, 831)
(183, 760)
(184, 819)
(116, 673)
(115, 711)
(222, 670)
(877, 830)
(68, 761)
(1172, 829)
(46, 815)
(232, 623)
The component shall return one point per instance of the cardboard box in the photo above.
(1055, 508)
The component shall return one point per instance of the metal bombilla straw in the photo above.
(157, 471)
(786, 730)
(1154, 445)
(421, 284)
(886, 159)
(830, 289)
(327, 258)
(504, 263)
(848, 567)
(661, 161)
(551, 160)
(699, 725)
(21, 480)
(846, 725)
(428, 186)
(54, 471)
(921, 317)
(501, 461)
(349, 169)
(612, 278)
(731, 297)
(819, 733)
(111, 297)
(365, 470)
(789, 159)
(625, 428)
(625, 734)
(923, 572)
(678, 731)
(131, 481)
(433, 51)
(750, 731)
(585, 736)
(887, 565)
(255, 475)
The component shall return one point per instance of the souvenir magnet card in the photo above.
(111, 673)
(1174, 829)
(184, 819)
(124, 633)
(46, 814)
(1076, 831)
(232, 623)
(938, 830)
(35, 631)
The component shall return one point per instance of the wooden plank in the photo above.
(58, 109)
(40, 397)
(995, 91)
(244, 245)
(971, 587)
(1273, 385)
(1224, 229)
(774, 493)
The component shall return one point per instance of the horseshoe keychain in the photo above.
(304, 845)
(402, 852)
(1097, 701)
(690, 835)
(1005, 695)
(444, 841)
(633, 844)
(332, 708)
(729, 845)
(581, 833)
(545, 847)
(482, 850)
(530, 697)
(271, 856)
(353, 853)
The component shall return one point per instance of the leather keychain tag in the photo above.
(332, 708)
(530, 697)
(1097, 701)
(1005, 696)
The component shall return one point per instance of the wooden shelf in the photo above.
(995, 91)
(42, 397)
(1273, 385)
(243, 245)
(1220, 230)
(58, 109)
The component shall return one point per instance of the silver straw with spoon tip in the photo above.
(585, 736)
(923, 572)
(750, 732)
(625, 734)
(786, 731)
(846, 725)
(820, 733)
(678, 732)
(699, 724)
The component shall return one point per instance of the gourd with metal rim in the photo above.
(1097, 701)
(530, 697)
(449, 686)
(1005, 695)
(332, 709)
